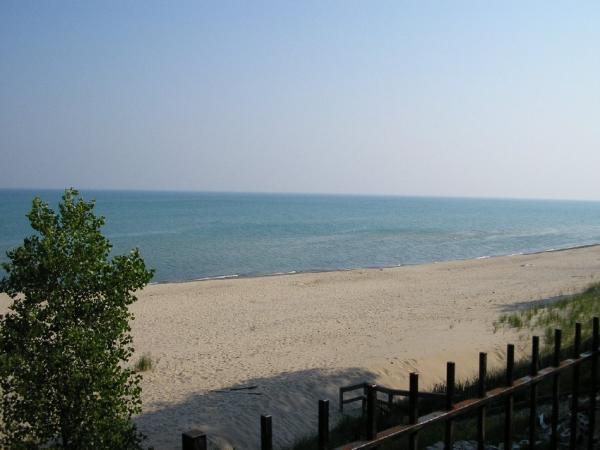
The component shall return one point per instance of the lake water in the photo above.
(188, 235)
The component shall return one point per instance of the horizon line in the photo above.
(331, 194)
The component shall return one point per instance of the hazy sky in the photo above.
(428, 98)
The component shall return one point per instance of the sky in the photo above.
(484, 99)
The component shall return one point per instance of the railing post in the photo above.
(555, 390)
(323, 424)
(508, 413)
(266, 433)
(481, 392)
(535, 365)
(371, 413)
(193, 440)
(341, 400)
(449, 425)
(594, 387)
(575, 396)
(413, 409)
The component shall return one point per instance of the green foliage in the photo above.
(64, 381)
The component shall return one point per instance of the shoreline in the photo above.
(299, 338)
(350, 269)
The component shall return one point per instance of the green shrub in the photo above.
(65, 342)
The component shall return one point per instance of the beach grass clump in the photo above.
(562, 314)
(144, 363)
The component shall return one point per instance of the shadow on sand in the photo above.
(232, 414)
(528, 304)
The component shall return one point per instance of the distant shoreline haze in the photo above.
(35, 191)
(197, 235)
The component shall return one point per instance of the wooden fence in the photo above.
(388, 392)
(196, 440)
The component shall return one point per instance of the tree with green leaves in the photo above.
(65, 343)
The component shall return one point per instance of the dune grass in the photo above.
(562, 314)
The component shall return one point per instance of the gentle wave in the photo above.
(349, 269)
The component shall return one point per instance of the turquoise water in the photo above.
(185, 235)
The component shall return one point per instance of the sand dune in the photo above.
(298, 338)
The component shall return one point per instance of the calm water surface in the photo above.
(186, 235)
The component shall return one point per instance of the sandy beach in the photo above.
(298, 338)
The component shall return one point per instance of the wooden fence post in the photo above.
(323, 424)
(449, 425)
(482, 392)
(575, 396)
(371, 424)
(508, 413)
(594, 386)
(555, 390)
(413, 409)
(266, 433)
(193, 440)
(535, 366)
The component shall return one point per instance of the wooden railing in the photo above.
(453, 410)
(388, 392)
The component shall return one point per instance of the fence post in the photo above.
(266, 433)
(535, 365)
(371, 413)
(594, 387)
(482, 393)
(323, 424)
(575, 397)
(555, 390)
(508, 413)
(413, 409)
(193, 440)
(341, 405)
(449, 425)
